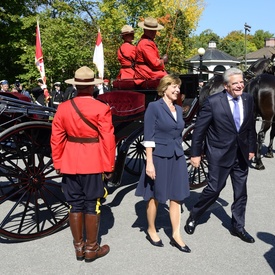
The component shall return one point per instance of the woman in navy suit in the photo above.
(165, 175)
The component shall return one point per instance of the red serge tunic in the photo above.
(148, 62)
(126, 55)
(83, 158)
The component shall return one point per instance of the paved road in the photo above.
(214, 250)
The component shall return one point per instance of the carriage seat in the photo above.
(124, 84)
(124, 103)
(150, 84)
(129, 84)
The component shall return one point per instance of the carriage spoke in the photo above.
(135, 156)
(58, 198)
(24, 214)
(197, 176)
(26, 168)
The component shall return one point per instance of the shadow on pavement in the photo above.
(121, 194)
(216, 209)
(107, 221)
(269, 255)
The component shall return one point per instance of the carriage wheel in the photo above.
(136, 156)
(197, 176)
(31, 200)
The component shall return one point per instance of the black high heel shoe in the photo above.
(158, 243)
(181, 248)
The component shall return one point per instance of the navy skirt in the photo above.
(171, 181)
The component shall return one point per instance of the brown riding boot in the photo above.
(76, 225)
(92, 248)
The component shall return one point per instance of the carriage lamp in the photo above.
(246, 29)
(201, 52)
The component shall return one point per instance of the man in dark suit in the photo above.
(38, 93)
(228, 131)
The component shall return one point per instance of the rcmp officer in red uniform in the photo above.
(126, 54)
(148, 62)
(83, 150)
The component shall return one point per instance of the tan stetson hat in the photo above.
(84, 76)
(150, 24)
(126, 29)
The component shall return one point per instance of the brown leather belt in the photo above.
(83, 139)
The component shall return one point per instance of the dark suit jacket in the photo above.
(38, 94)
(215, 126)
(161, 127)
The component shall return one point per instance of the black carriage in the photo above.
(31, 199)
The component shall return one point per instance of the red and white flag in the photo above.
(98, 58)
(39, 62)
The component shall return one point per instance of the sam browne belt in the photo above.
(83, 139)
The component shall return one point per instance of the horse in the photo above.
(262, 88)
(260, 66)
(260, 83)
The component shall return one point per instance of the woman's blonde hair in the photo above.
(167, 81)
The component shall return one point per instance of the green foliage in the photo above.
(179, 18)
(69, 28)
(259, 38)
(67, 42)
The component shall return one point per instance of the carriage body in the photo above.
(31, 198)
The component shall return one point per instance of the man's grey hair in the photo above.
(230, 72)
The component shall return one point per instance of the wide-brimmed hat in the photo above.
(126, 29)
(84, 76)
(150, 23)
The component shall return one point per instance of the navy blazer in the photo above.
(215, 125)
(161, 127)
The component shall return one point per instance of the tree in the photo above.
(179, 18)
(67, 42)
(69, 28)
(234, 44)
(259, 38)
(205, 37)
(11, 11)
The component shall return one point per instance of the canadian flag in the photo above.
(39, 62)
(98, 58)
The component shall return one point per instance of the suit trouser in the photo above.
(217, 177)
